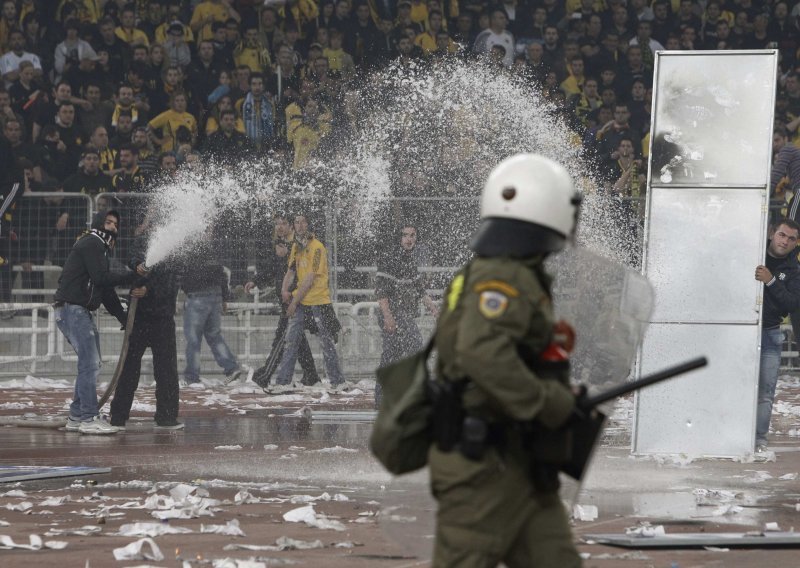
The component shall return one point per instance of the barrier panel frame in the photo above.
(705, 232)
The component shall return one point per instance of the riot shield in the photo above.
(609, 306)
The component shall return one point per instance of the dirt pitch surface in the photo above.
(246, 461)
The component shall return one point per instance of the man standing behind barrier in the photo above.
(153, 327)
(504, 377)
(399, 285)
(308, 262)
(85, 283)
(781, 278)
(206, 288)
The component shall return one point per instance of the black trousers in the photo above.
(159, 335)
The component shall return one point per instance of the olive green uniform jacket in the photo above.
(489, 510)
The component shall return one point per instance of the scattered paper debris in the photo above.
(716, 549)
(35, 543)
(584, 512)
(788, 477)
(231, 528)
(270, 447)
(151, 529)
(236, 447)
(771, 527)
(143, 549)
(335, 450)
(646, 530)
(86, 530)
(21, 506)
(311, 518)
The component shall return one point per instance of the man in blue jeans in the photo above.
(308, 262)
(87, 281)
(781, 278)
(206, 288)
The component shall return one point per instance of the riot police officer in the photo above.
(496, 480)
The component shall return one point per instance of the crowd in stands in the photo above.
(110, 95)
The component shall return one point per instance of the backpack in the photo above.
(403, 430)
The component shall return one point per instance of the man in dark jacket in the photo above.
(87, 281)
(399, 286)
(153, 327)
(781, 278)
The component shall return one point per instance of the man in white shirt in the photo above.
(496, 34)
(9, 62)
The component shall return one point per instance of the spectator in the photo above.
(496, 35)
(107, 156)
(427, 39)
(18, 149)
(573, 84)
(83, 74)
(131, 178)
(308, 267)
(339, 61)
(173, 14)
(89, 179)
(9, 21)
(9, 62)
(147, 159)
(209, 11)
(257, 114)
(399, 286)
(204, 74)
(46, 109)
(6, 109)
(70, 135)
(271, 35)
(206, 288)
(786, 164)
(252, 53)
(223, 104)
(54, 157)
(586, 101)
(168, 122)
(173, 82)
(306, 132)
(663, 23)
(645, 41)
(227, 145)
(123, 131)
(119, 53)
(72, 50)
(614, 131)
(100, 112)
(634, 69)
(177, 51)
(126, 104)
(24, 92)
(127, 30)
(687, 16)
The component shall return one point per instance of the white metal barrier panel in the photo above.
(705, 233)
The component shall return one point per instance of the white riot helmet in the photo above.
(529, 206)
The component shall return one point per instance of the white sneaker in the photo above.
(236, 373)
(73, 424)
(97, 425)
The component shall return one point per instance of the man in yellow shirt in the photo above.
(308, 261)
(127, 30)
(208, 12)
(168, 122)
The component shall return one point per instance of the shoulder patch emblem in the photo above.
(492, 304)
(497, 285)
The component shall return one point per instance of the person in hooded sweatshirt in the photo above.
(153, 327)
(87, 281)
